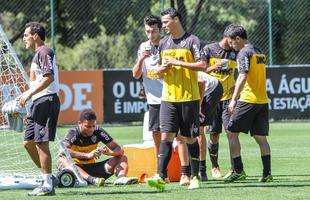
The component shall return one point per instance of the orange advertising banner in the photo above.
(80, 90)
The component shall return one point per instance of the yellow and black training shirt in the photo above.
(180, 84)
(253, 62)
(215, 53)
(83, 144)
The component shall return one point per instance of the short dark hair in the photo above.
(172, 13)
(236, 30)
(36, 27)
(225, 33)
(87, 115)
(152, 20)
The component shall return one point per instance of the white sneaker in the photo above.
(126, 180)
(216, 173)
(194, 183)
(229, 173)
(184, 180)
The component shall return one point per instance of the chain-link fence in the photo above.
(106, 33)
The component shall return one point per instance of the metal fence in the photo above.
(96, 34)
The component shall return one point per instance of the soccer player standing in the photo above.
(249, 103)
(146, 66)
(221, 60)
(180, 58)
(43, 115)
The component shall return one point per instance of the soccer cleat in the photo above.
(216, 173)
(184, 180)
(99, 182)
(229, 173)
(156, 182)
(42, 191)
(264, 179)
(194, 183)
(126, 180)
(235, 177)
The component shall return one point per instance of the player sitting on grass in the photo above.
(82, 143)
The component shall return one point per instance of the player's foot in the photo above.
(235, 177)
(216, 173)
(126, 180)
(156, 182)
(42, 191)
(99, 182)
(203, 177)
(194, 183)
(184, 180)
(229, 173)
(264, 179)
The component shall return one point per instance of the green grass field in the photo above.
(290, 147)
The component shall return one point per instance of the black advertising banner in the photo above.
(289, 92)
(121, 97)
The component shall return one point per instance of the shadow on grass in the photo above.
(74, 193)
(252, 181)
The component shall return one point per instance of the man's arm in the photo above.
(238, 87)
(216, 66)
(44, 83)
(196, 66)
(81, 155)
(112, 149)
(137, 68)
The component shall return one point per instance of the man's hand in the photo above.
(105, 150)
(94, 154)
(172, 61)
(232, 106)
(22, 99)
(145, 54)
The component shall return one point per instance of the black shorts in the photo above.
(41, 121)
(221, 118)
(154, 117)
(209, 105)
(183, 116)
(97, 169)
(250, 117)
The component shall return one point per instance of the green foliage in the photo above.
(106, 33)
(102, 51)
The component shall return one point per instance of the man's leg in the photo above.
(202, 154)
(183, 155)
(31, 148)
(235, 149)
(157, 139)
(45, 162)
(231, 170)
(193, 149)
(164, 156)
(213, 147)
(119, 166)
(265, 156)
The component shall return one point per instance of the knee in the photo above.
(124, 159)
(261, 140)
(28, 144)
